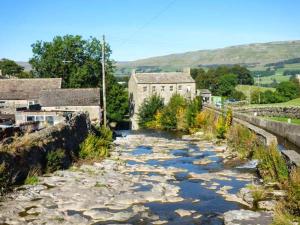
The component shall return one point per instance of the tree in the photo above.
(226, 84)
(148, 110)
(288, 90)
(10, 67)
(243, 74)
(77, 62)
(169, 113)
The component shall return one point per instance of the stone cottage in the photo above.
(72, 100)
(19, 93)
(143, 85)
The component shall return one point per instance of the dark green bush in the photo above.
(55, 160)
(192, 110)
(148, 110)
(169, 113)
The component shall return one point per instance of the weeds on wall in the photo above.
(55, 160)
(96, 146)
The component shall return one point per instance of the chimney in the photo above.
(187, 70)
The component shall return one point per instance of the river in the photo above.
(150, 178)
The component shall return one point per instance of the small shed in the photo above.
(205, 95)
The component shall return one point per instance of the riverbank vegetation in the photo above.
(271, 167)
(179, 114)
(96, 145)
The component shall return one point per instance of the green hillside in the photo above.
(251, 55)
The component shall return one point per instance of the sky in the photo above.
(138, 29)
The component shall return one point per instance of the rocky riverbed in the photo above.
(149, 179)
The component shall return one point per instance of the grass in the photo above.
(283, 119)
(248, 89)
(32, 180)
(294, 102)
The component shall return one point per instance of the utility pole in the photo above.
(259, 88)
(103, 82)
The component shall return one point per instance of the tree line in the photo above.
(222, 80)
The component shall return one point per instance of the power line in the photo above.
(159, 13)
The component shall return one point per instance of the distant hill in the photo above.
(26, 65)
(251, 55)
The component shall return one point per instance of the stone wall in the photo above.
(261, 127)
(29, 151)
(290, 112)
(288, 131)
(266, 137)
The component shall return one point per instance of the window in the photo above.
(171, 88)
(145, 88)
(39, 118)
(179, 87)
(162, 88)
(50, 120)
(153, 88)
(30, 118)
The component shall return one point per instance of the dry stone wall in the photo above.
(29, 152)
(290, 112)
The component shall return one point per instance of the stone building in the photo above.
(205, 95)
(20, 93)
(143, 85)
(72, 100)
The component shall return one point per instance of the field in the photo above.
(283, 119)
(294, 102)
(248, 89)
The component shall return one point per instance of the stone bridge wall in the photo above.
(289, 112)
(29, 152)
(261, 127)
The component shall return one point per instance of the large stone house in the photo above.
(143, 85)
(20, 93)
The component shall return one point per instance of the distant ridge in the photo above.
(256, 54)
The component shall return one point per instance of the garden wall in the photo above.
(29, 152)
(289, 112)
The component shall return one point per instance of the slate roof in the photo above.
(26, 89)
(204, 91)
(70, 97)
(163, 78)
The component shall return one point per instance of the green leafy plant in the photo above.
(149, 109)
(32, 176)
(96, 146)
(55, 160)
(272, 166)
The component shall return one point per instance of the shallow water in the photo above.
(196, 196)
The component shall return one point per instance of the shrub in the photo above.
(258, 194)
(272, 166)
(293, 199)
(241, 140)
(96, 146)
(281, 216)
(192, 109)
(168, 118)
(204, 119)
(32, 177)
(220, 127)
(55, 160)
(148, 110)
(181, 120)
(4, 178)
